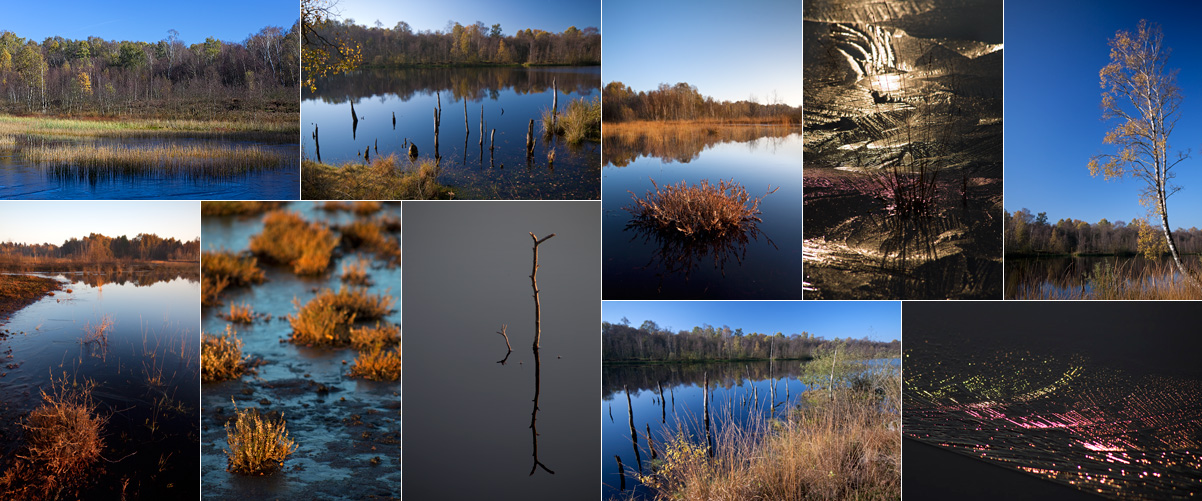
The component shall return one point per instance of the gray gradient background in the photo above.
(467, 418)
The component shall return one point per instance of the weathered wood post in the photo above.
(663, 405)
(530, 139)
(534, 285)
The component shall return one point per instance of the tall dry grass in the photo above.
(290, 240)
(92, 161)
(1119, 281)
(580, 121)
(63, 443)
(383, 179)
(700, 211)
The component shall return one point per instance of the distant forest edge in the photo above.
(459, 45)
(649, 342)
(165, 79)
(681, 102)
(99, 249)
(1032, 234)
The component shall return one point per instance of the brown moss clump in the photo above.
(380, 336)
(63, 443)
(698, 211)
(378, 364)
(221, 357)
(222, 269)
(258, 444)
(290, 240)
(326, 319)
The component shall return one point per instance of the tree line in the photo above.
(683, 102)
(458, 44)
(1028, 233)
(650, 342)
(94, 75)
(98, 248)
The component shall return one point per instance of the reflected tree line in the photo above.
(96, 248)
(1028, 233)
(472, 44)
(649, 342)
(94, 75)
(470, 83)
(639, 377)
(683, 102)
(623, 145)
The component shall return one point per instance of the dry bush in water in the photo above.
(239, 314)
(290, 240)
(380, 336)
(326, 319)
(258, 444)
(355, 273)
(62, 443)
(222, 269)
(378, 364)
(221, 357)
(699, 211)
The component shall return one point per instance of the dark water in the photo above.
(468, 418)
(1074, 277)
(20, 179)
(766, 265)
(151, 434)
(1101, 396)
(340, 424)
(510, 98)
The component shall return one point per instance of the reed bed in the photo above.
(258, 444)
(64, 127)
(378, 364)
(700, 211)
(236, 207)
(290, 240)
(382, 179)
(91, 161)
(355, 273)
(380, 336)
(326, 319)
(221, 357)
(63, 443)
(223, 269)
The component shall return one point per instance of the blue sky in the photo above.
(143, 20)
(512, 15)
(1053, 124)
(729, 50)
(36, 222)
(878, 320)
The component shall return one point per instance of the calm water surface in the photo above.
(1073, 277)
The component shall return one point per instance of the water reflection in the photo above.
(625, 143)
(673, 254)
(473, 84)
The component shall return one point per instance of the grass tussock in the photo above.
(224, 269)
(258, 445)
(91, 161)
(355, 273)
(326, 319)
(221, 357)
(375, 235)
(380, 336)
(378, 364)
(63, 443)
(848, 447)
(361, 208)
(579, 122)
(290, 240)
(383, 179)
(240, 314)
(698, 211)
(236, 207)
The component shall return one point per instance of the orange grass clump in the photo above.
(288, 239)
(378, 364)
(698, 211)
(326, 319)
(258, 444)
(222, 269)
(221, 357)
(382, 335)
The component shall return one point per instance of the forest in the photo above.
(93, 76)
(683, 102)
(97, 248)
(622, 342)
(1028, 233)
(459, 45)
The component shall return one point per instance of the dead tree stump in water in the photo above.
(534, 285)
(530, 139)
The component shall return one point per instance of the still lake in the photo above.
(1064, 277)
(768, 265)
(509, 97)
(147, 375)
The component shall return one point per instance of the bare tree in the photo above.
(1142, 93)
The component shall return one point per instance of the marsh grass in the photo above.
(579, 122)
(290, 240)
(378, 364)
(60, 127)
(1118, 281)
(92, 161)
(700, 211)
(326, 319)
(258, 444)
(236, 207)
(98, 334)
(62, 443)
(221, 357)
(382, 179)
(223, 269)
(848, 447)
(380, 336)
(355, 273)
(375, 235)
